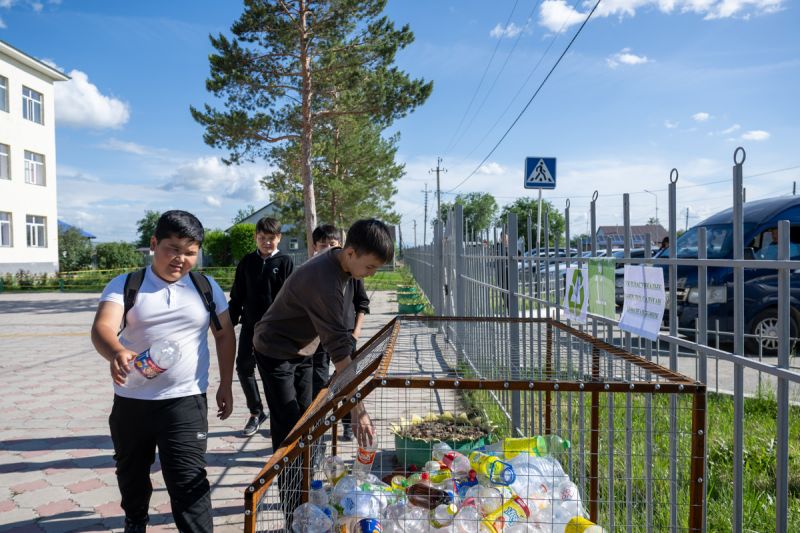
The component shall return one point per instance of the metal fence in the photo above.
(467, 273)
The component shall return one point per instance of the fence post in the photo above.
(782, 395)
(738, 343)
(673, 348)
(456, 284)
(513, 312)
(438, 267)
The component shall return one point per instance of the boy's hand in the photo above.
(362, 425)
(224, 401)
(120, 365)
(357, 333)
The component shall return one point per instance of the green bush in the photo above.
(242, 240)
(217, 248)
(117, 255)
(74, 250)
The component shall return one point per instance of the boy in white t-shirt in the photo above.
(170, 411)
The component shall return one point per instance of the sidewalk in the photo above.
(56, 465)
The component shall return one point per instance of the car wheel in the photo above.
(763, 331)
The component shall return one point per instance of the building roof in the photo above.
(63, 226)
(269, 210)
(53, 74)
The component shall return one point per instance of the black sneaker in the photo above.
(253, 423)
(136, 527)
(347, 432)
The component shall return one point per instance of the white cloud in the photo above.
(213, 201)
(625, 57)
(670, 125)
(492, 169)
(701, 117)
(37, 6)
(6, 4)
(512, 30)
(2, 24)
(80, 103)
(728, 131)
(755, 135)
(127, 147)
(558, 16)
(211, 175)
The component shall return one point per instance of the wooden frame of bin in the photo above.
(309, 429)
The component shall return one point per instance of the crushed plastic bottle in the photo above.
(427, 497)
(497, 471)
(309, 518)
(151, 363)
(443, 515)
(458, 464)
(334, 469)
(439, 449)
(511, 512)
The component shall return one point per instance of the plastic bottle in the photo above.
(443, 515)
(581, 525)
(309, 518)
(463, 485)
(317, 495)
(499, 472)
(540, 446)
(439, 449)
(457, 463)
(363, 461)
(467, 520)
(334, 469)
(427, 497)
(511, 512)
(152, 362)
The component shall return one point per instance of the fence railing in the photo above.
(467, 273)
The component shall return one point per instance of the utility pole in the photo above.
(439, 169)
(686, 227)
(415, 233)
(794, 188)
(425, 220)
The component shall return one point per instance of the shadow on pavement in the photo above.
(49, 306)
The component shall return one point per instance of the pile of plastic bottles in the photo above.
(514, 486)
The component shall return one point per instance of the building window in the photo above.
(294, 244)
(5, 229)
(32, 105)
(5, 164)
(34, 168)
(3, 94)
(37, 231)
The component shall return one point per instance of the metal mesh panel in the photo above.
(632, 425)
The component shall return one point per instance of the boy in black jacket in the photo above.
(259, 277)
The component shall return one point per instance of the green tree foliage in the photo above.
(283, 72)
(117, 255)
(217, 247)
(242, 240)
(74, 250)
(146, 227)
(242, 214)
(524, 206)
(480, 210)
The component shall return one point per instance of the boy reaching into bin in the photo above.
(259, 276)
(326, 237)
(312, 308)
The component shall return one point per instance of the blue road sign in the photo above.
(540, 172)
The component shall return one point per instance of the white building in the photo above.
(28, 211)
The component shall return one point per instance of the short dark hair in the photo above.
(324, 232)
(268, 225)
(370, 236)
(180, 224)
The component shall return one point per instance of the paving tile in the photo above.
(54, 508)
(7, 505)
(83, 486)
(110, 508)
(30, 486)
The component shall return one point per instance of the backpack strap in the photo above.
(203, 287)
(133, 282)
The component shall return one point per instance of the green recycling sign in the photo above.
(576, 294)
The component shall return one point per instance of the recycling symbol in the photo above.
(577, 293)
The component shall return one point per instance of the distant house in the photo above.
(616, 234)
(63, 226)
(293, 239)
(28, 208)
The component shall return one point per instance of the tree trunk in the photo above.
(309, 202)
(335, 181)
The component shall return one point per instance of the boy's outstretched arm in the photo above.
(225, 340)
(362, 423)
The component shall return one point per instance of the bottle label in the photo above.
(145, 365)
(366, 457)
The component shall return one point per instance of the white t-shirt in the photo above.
(172, 311)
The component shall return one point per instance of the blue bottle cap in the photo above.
(316, 484)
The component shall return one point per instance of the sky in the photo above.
(646, 86)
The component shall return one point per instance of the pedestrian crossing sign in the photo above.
(540, 172)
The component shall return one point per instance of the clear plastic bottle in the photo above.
(162, 355)
(457, 463)
(334, 469)
(443, 515)
(362, 464)
(318, 495)
(309, 518)
(439, 449)
(499, 472)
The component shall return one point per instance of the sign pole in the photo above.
(539, 226)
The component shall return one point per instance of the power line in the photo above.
(519, 116)
(480, 83)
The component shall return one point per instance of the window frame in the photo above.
(10, 224)
(29, 105)
(7, 155)
(40, 229)
(3, 93)
(30, 165)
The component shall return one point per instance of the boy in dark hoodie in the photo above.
(259, 277)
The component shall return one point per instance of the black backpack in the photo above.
(134, 281)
